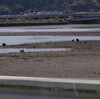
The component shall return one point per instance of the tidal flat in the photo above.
(82, 61)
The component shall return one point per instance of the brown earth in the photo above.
(82, 61)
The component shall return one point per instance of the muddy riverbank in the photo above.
(82, 61)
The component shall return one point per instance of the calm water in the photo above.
(24, 96)
(14, 40)
(13, 50)
(53, 30)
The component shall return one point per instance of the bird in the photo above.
(77, 40)
(3, 44)
(22, 50)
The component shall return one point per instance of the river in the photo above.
(27, 96)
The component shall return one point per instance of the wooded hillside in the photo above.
(17, 6)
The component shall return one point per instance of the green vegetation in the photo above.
(49, 20)
(17, 6)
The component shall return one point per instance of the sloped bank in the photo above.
(49, 86)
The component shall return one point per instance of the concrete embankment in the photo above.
(50, 86)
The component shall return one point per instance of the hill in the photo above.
(17, 6)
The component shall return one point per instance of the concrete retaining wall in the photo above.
(50, 86)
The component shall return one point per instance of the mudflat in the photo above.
(82, 61)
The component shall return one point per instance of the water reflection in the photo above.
(14, 40)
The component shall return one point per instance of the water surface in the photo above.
(52, 30)
(27, 96)
(15, 40)
(13, 50)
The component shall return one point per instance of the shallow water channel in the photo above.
(15, 40)
(13, 50)
(52, 30)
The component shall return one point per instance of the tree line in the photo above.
(17, 6)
